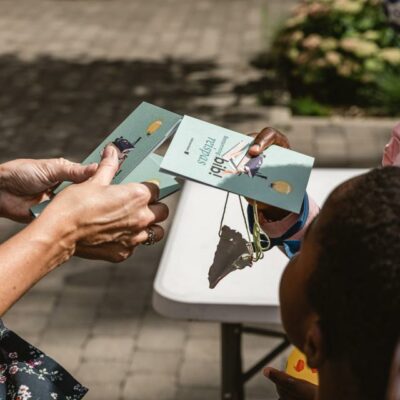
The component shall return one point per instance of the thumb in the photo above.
(108, 166)
(63, 170)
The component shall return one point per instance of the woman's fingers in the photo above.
(108, 166)
(267, 137)
(59, 170)
(144, 236)
(159, 212)
(153, 191)
(121, 248)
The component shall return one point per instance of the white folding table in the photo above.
(181, 287)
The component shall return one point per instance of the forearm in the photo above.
(30, 255)
(2, 185)
(279, 228)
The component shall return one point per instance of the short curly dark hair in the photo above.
(355, 287)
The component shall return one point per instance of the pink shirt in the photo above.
(391, 156)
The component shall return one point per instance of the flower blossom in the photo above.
(312, 41)
(361, 48)
(390, 55)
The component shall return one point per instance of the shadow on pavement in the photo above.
(51, 107)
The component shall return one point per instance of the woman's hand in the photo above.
(107, 221)
(290, 388)
(25, 183)
(267, 137)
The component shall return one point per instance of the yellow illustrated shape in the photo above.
(154, 127)
(297, 367)
(282, 187)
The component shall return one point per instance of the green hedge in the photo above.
(339, 54)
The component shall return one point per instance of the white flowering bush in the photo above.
(341, 53)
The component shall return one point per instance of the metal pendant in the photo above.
(233, 253)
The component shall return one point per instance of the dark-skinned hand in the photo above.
(290, 388)
(265, 138)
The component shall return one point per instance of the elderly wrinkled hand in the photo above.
(108, 221)
(25, 183)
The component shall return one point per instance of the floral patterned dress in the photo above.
(26, 373)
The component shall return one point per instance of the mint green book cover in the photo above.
(147, 171)
(217, 157)
(145, 129)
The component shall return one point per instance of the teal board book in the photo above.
(217, 157)
(145, 129)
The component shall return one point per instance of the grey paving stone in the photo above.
(166, 363)
(41, 301)
(93, 373)
(150, 387)
(116, 325)
(70, 336)
(204, 330)
(194, 393)
(161, 338)
(103, 391)
(104, 348)
(202, 349)
(69, 356)
(25, 324)
(200, 374)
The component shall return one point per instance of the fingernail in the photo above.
(109, 151)
(256, 146)
(154, 182)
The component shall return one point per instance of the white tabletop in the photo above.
(181, 288)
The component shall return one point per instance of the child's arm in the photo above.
(284, 228)
(391, 154)
(277, 223)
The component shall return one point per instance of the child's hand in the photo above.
(290, 388)
(267, 137)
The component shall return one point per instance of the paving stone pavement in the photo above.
(70, 71)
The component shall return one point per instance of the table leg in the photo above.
(231, 354)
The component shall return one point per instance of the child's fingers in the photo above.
(267, 137)
(278, 377)
(290, 388)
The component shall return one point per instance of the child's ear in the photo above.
(314, 348)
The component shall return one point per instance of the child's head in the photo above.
(340, 296)
(394, 384)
